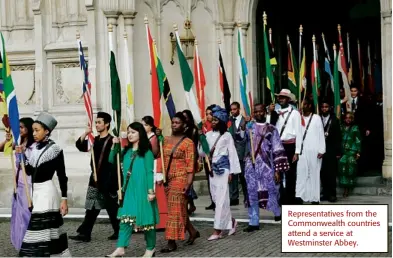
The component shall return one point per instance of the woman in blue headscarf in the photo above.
(224, 162)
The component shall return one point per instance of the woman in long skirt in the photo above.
(148, 123)
(20, 215)
(45, 235)
(139, 211)
(225, 163)
(351, 147)
(179, 154)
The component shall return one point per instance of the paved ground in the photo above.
(266, 242)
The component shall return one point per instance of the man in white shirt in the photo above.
(288, 126)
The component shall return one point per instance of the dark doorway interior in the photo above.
(359, 18)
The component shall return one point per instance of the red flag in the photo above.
(200, 82)
(155, 90)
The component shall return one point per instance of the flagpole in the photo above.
(300, 66)
(120, 195)
(160, 142)
(338, 107)
(315, 68)
(348, 50)
(78, 41)
(29, 202)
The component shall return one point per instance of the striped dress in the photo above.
(45, 235)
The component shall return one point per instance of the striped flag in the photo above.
(302, 75)
(337, 99)
(243, 72)
(315, 77)
(200, 82)
(342, 68)
(292, 73)
(86, 89)
(327, 63)
(4, 112)
(165, 89)
(155, 87)
(269, 72)
(10, 94)
(224, 86)
(129, 95)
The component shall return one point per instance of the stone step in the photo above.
(367, 186)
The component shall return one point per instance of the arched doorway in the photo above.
(361, 19)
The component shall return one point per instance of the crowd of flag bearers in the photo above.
(278, 153)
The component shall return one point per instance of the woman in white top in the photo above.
(224, 162)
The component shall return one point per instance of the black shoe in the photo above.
(169, 249)
(115, 236)
(211, 206)
(81, 238)
(323, 198)
(234, 202)
(277, 218)
(250, 229)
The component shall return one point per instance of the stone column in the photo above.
(228, 57)
(41, 83)
(386, 34)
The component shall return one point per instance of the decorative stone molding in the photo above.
(228, 28)
(89, 5)
(226, 10)
(68, 13)
(178, 4)
(25, 91)
(61, 95)
(194, 5)
(129, 17)
(16, 15)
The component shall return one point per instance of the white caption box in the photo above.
(334, 228)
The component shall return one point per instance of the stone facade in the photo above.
(40, 38)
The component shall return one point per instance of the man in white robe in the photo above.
(310, 148)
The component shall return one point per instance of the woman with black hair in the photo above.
(148, 123)
(225, 163)
(139, 211)
(45, 235)
(179, 162)
(20, 209)
(192, 133)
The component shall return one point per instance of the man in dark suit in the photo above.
(329, 169)
(237, 130)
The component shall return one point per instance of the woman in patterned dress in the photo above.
(351, 143)
(148, 123)
(179, 175)
(45, 235)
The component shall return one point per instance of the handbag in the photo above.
(124, 189)
(171, 157)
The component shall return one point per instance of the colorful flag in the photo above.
(116, 94)
(10, 94)
(350, 70)
(243, 72)
(342, 68)
(337, 99)
(272, 53)
(269, 72)
(86, 90)
(315, 78)
(200, 82)
(302, 76)
(155, 87)
(164, 85)
(327, 63)
(129, 95)
(292, 73)
(224, 86)
(188, 81)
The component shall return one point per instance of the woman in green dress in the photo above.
(351, 140)
(139, 210)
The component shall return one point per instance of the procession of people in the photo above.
(284, 162)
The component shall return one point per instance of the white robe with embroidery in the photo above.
(219, 187)
(309, 166)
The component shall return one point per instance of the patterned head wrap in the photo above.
(220, 113)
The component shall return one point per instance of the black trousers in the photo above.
(328, 176)
(91, 216)
(234, 184)
(288, 193)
